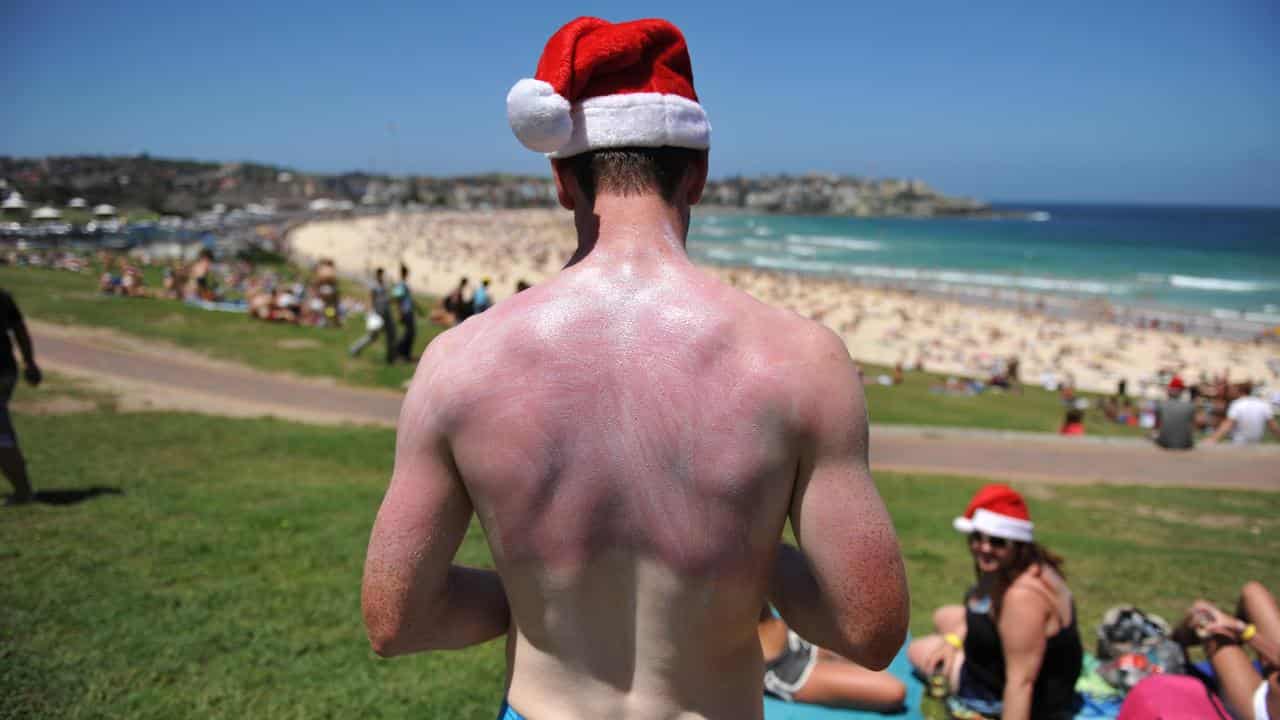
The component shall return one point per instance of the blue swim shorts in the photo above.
(506, 713)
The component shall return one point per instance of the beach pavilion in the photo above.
(13, 205)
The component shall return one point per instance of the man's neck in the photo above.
(633, 228)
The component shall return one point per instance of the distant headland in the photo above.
(166, 186)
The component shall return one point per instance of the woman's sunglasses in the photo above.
(977, 538)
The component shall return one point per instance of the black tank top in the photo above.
(982, 674)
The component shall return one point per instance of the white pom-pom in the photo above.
(539, 116)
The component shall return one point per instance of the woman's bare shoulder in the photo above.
(1035, 586)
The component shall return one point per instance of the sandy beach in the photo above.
(880, 326)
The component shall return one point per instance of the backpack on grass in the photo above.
(1133, 645)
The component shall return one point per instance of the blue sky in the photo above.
(1174, 102)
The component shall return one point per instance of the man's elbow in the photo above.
(875, 645)
(388, 629)
(384, 644)
(390, 639)
(880, 649)
(384, 632)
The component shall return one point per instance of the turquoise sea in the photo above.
(1220, 263)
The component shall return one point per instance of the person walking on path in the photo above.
(404, 304)
(379, 320)
(656, 437)
(12, 463)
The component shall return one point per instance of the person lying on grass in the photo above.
(1249, 693)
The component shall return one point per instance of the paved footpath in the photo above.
(226, 387)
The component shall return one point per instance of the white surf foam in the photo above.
(712, 230)
(837, 241)
(777, 263)
(1195, 282)
(719, 253)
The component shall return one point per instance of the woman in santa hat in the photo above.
(1012, 650)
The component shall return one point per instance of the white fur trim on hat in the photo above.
(539, 116)
(636, 120)
(995, 525)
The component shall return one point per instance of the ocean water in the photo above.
(1222, 263)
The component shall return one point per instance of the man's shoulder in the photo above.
(777, 321)
(1251, 404)
(1240, 404)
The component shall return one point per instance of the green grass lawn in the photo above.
(65, 298)
(916, 402)
(223, 578)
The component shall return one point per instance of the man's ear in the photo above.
(566, 184)
(696, 179)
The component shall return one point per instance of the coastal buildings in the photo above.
(187, 188)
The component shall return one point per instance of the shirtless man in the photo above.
(633, 435)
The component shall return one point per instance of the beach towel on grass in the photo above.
(235, 306)
(1099, 706)
(775, 709)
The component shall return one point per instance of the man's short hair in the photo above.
(633, 170)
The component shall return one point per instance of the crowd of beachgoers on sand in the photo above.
(881, 326)
(472, 260)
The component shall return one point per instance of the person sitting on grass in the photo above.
(1013, 649)
(795, 670)
(132, 284)
(108, 282)
(1249, 693)
(1175, 420)
(1073, 424)
(175, 278)
(1247, 418)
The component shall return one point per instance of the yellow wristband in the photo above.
(1249, 631)
(953, 640)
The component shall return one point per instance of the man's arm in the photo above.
(1227, 426)
(845, 588)
(413, 597)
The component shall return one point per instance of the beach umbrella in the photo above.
(46, 213)
(104, 210)
(14, 202)
(77, 203)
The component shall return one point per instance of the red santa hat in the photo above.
(999, 511)
(601, 85)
